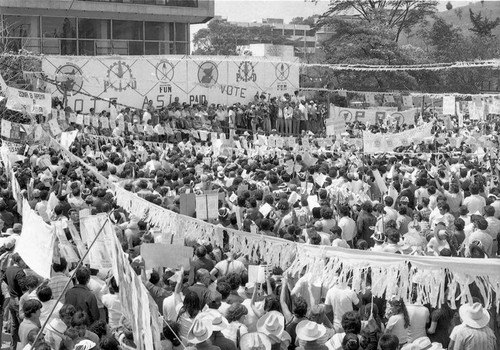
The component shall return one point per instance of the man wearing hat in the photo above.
(219, 323)
(200, 333)
(311, 332)
(422, 343)
(474, 332)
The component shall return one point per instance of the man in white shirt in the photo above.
(146, 117)
(390, 213)
(348, 226)
(339, 300)
(288, 116)
(475, 202)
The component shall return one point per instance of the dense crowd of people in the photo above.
(442, 204)
(288, 115)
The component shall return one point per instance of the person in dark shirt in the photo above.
(201, 261)
(234, 280)
(201, 286)
(220, 323)
(81, 297)
(15, 278)
(63, 202)
(6, 216)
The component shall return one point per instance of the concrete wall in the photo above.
(110, 10)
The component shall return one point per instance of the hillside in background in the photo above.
(459, 17)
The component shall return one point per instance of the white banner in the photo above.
(134, 81)
(335, 124)
(449, 105)
(374, 143)
(36, 242)
(371, 116)
(28, 101)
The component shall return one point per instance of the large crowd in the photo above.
(442, 204)
(288, 115)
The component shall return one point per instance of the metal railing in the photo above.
(97, 47)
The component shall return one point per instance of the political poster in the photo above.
(15, 132)
(136, 80)
(28, 101)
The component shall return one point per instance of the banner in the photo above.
(36, 242)
(28, 101)
(372, 116)
(335, 124)
(374, 143)
(68, 137)
(136, 80)
(449, 105)
(15, 132)
(90, 226)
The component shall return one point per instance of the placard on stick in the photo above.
(166, 255)
(257, 273)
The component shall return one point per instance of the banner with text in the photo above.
(28, 101)
(374, 143)
(373, 116)
(134, 80)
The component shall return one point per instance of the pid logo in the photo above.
(246, 72)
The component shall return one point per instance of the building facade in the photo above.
(102, 27)
(302, 36)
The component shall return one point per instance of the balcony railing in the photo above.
(97, 47)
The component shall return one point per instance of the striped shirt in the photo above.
(57, 283)
(467, 338)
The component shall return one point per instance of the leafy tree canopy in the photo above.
(223, 38)
(396, 15)
(482, 26)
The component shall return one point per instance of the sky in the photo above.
(255, 10)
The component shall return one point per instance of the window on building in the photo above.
(159, 31)
(94, 28)
(127, 30)
(22, 26)
(135, 48)
(59, 27)
(181, 48)
(181, 31)
(288, 32)
(310, 32)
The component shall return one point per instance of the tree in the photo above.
(443, 37)
(219, 38)
(310, 21)
(361, 42)
(395, 15)
(449, 44)
(449, 6)
(223, 38)
(459, 12)
(482, 26)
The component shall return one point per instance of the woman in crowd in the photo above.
(398, 320)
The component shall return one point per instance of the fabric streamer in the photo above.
(390, 273)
